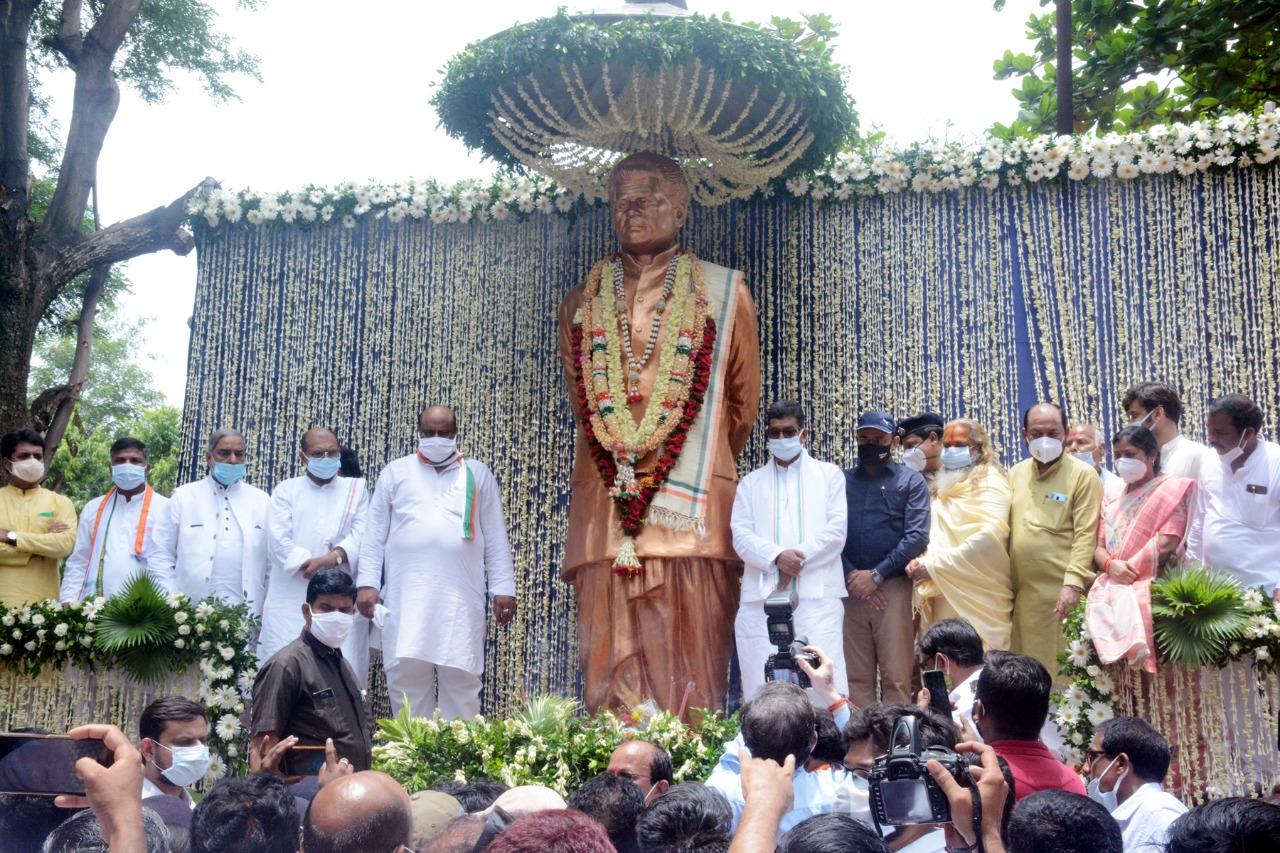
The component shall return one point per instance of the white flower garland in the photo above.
(1234, 141)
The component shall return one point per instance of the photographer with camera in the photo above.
(789, 520)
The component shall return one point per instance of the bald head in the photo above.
(1044, 420)
(644, 763)
(363, 811)
(437, 421)
(318, 439)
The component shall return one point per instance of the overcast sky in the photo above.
(345, 95)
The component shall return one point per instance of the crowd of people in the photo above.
(798, 778)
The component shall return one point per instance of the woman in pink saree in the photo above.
(1142, 529)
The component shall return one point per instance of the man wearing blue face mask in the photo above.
(212, 538)
(316, 523)
(114, 538)
(175, 747)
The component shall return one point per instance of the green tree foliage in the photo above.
(1148, 62)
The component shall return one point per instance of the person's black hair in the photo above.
(167, 709)
(1026, 415)
(350, 463)
(686, 818)
(474, 796)
(955, 638)
(874, 723)
(785, 409)
(11, 440)
(1244, 413)
(1154, 395)
(615, 803)
(82, 833)
(330, 582)
(779, 721)
(831, 745)
(660, 769)
(1062, 822)
(1147, 749)
(383, 829)
(1014, 691)
(246, 814)
(832, 833)
(127, 442)
(1141, 438)
(26, 820)
(1231, 825)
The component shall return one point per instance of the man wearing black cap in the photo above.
(888, 527)
(921, 437)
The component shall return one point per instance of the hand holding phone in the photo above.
(939, 697)
(45, 765)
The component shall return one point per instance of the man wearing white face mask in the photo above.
(1086, 443)
(212, 537)
(1133, 759)
(788, 524)
(307, 690)
(115, 535)
(1237, 523)
(1053, 524)
(175, 747)
(37, 526)
(922, 444)
(435, 527)
(316, 523)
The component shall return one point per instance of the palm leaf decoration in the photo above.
(547, 715)
(1195, 614)
(137, 629)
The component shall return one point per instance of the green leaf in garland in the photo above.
(137, 629)
(1195, 614)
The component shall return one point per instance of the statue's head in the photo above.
(649, 202)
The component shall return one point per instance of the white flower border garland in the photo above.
(1229, 142)
(214, 636)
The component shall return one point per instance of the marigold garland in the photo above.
(616, 442)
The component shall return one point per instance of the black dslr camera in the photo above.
(784, 664)
(902, 791)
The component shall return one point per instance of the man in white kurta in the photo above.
(317, 521)
(1236, 529)
(435, 541)
(789, 523)
(114, 538)
(212, 538)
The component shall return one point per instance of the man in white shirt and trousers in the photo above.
(436, 526)
(789, 523)
(317, 521)
(113, 541)
(1236, 531)
(212, 539)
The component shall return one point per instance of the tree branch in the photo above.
(80, 364)
(113, 23)
(150, 232)
(68, 41)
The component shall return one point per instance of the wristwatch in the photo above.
(877, 577)
(342, 556)
(11, 538)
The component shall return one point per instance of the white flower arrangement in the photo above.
(881, 167)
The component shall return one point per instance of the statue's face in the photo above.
(645, 218)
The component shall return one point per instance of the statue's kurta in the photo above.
(651, 635)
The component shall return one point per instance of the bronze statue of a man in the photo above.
(662, 359)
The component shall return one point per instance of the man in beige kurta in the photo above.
(1053, 525)
(670, 628)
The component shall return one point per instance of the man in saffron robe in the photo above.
(662, 627)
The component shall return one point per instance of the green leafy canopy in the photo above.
(1137, 64)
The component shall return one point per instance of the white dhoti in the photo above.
(819, 620)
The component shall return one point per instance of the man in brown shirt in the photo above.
(307, 690)
(651, 634)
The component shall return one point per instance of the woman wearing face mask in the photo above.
(1142, 529)
(965, 571)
